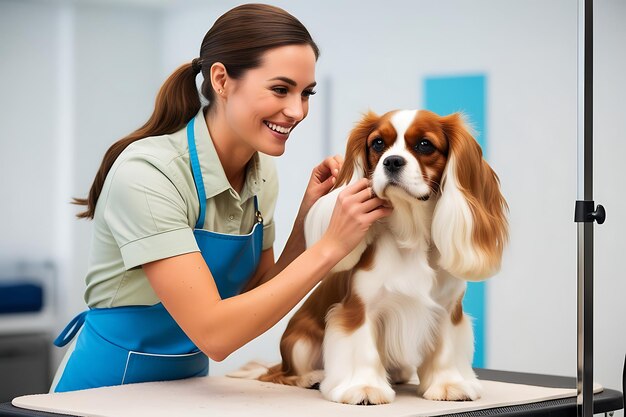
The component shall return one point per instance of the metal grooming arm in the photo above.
(585, 212)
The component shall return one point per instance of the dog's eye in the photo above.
(425, 147)
(378, 145)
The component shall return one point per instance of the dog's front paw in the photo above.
(463, 390)
(360, 394)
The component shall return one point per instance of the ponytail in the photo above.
(177, 103)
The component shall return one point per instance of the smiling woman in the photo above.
(182, 265)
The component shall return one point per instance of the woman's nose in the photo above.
(295, 108)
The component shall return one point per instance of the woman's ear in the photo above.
(219, 78)
(469, 227)
(355, 159)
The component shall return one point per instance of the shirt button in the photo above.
(231, 217)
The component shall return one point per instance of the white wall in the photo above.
(610, 172)
(375, 55)
(27, 144)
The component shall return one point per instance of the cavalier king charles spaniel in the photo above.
(392, 310)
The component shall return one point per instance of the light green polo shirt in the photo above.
(149, 206)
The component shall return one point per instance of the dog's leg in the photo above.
(447, 375)
(354, 372)
(306, 359)
(302, 362)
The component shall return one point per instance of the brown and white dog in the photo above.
(392, 308)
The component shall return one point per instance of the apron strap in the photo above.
(197, 173)
(71, 329)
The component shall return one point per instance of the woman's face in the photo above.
(267, 103)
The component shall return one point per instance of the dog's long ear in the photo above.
(469, 226)
(354, 167)
(355, 161)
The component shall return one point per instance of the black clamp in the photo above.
(585, 213)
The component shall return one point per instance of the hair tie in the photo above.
(196, 65)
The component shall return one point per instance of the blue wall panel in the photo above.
(445, 95)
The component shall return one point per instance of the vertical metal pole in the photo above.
(585, 192)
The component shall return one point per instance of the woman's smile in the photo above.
(280, 131)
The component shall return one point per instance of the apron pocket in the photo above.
(147, 367)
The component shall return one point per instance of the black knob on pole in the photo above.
(599, 215)
(585, 213)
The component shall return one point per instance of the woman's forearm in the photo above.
(236, 321)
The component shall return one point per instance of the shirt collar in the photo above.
(213, 175)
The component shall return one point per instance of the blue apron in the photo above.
(123, 345)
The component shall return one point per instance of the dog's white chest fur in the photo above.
(397, 294)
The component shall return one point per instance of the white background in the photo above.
(77, 75)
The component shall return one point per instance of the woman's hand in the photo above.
(322, 180)
(356, 209)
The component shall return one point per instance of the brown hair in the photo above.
(238, 39)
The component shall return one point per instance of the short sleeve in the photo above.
(267, 199)
(146, 213)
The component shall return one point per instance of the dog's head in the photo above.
(418, 156)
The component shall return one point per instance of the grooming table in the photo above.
(505, 394)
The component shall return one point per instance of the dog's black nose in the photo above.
(394, 163)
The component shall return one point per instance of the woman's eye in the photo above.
(425, 147)
(308, 93)
(279, 90)
(378, 145)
